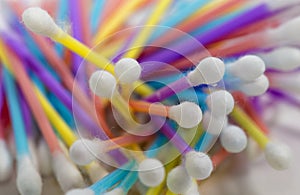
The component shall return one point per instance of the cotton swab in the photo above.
(220, 103)
(251, 64)
(35, 20)
(209, 71)
(151, 172)
(178, 180)
(6, 162)
(44, 158)
(70, 177)
(198, 165)
(280, 35)
(255, 88)
(127, 70)
(233, 139)
(186, 114)
(104, 85)
(25, 167)
(158, 189)
(277, 155)
(283, 58)
(285, 83)
(46, 130)
(39, 21)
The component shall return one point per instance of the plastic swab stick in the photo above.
(26, 186)
(283, 58)
(142, 37)
(278, 156)
(39, 21)
(186, 114)
(209, 71)
(233, 139)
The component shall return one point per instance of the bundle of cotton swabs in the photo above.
(117, 97)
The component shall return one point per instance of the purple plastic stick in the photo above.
(187, 47)
(62, 94)
(77, 34)
(169, 90)
(174, 137)
(51, 83)
(26, 115)
(284, 96)
(76, 29)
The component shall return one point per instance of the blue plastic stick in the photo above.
(179, 16)
(61, 16)
(96, 14)
(204, 142)
(111, 179)
(15, 114)
(129, 181)
(217, 22)
(62, 110)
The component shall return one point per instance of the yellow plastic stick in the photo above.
(117, 19)
(144, 34)
(249, 126)
(93, 57)
(63, 129)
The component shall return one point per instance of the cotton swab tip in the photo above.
(186, 114)
(193, 190)
(233, 139)
(116, 191)
(103, 84)
(279, 156)
(80, 153)
(283, 59)
(6, 164)
(67, 174)
(247, 68)
(85, 191)
(220, 103)
(288, 31)
(178, 181)
(151, 172)
(44, 158)
(198, 165)
(39, 21)
(209, 71)
(257, 87)
(127, 70)
(213, 124)
(29, 181)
